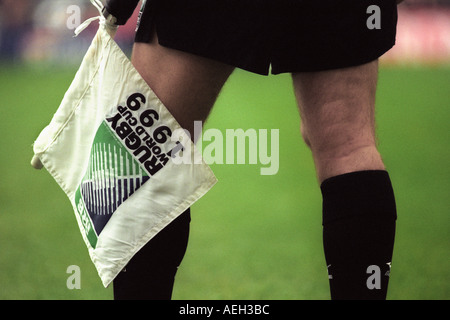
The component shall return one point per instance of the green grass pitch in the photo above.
(252, 236)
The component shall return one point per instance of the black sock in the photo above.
(150, 274)
(359, 216)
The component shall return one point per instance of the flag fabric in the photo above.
(112, 147)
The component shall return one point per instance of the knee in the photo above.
(333, 144)
(339, 142)
(336, 154)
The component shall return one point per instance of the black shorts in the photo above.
(286, 35)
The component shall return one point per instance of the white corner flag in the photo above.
(110, 146)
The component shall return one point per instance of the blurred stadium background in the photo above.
(253, 237)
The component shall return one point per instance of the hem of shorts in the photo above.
(230, 62)
(332, 66)
(274, 69)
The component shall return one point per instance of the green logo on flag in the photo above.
(111, 177)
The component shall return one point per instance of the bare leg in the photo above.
(338, 124)
(188, 85)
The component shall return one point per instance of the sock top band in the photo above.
(356, 194)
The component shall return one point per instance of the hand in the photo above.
(111, 28)
(110, 23)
